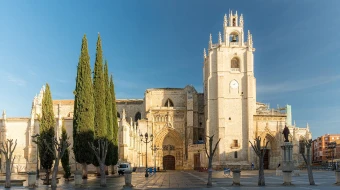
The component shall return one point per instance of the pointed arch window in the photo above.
(235, 64)
(138, 116)
(118, 115)
(169, 103)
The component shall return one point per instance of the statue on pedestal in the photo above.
(286, 133)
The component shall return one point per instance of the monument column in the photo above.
(287, 159)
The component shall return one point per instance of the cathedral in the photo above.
(178, 120)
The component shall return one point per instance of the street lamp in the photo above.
(155, 148)
(146, 141)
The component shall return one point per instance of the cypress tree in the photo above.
(100, 125)
(47, 124)
(65, 162)
(83, 119)
(114, 122)
(99, 95)
(109, 119)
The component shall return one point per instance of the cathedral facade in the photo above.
(179, 119)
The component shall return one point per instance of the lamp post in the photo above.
(155, 148)
(146, 140)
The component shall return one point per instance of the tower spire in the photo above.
(4, 114)
(225, 21)
(241, 20)
(210, 41)
(219, 38)
(204, 54)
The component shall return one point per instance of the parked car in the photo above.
(122, 167)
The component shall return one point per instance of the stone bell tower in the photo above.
(230, 92)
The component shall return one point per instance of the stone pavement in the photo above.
(198, 180)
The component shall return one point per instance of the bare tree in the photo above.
(210, 157)
(100, 152)
(58, 152)
(8, 150)
(260, 152)
(307, 144)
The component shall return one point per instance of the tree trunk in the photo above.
(309, 168)
(84, 165)
(310, 175)
(47, 176)
(8, 174)
(98, 171)
(210, 172)
(261, 181)
(112, 169)
(102, 175)
(54, 173)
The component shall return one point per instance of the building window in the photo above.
(169, 103)
(235, 154)
(118, 115)
(235, 63)
(235, 144)
(138, 116)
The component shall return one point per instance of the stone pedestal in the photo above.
(337, 177)
(287, 163)
(78, 178)
(287, 178)
(32, 179)
(237, 177)
(128, 178)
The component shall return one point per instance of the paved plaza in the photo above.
(198, 180)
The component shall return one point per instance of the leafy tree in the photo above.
(65, 160)
(100, 124)
(47, 124)
(109, 119)
(83, 119)
(114, 123)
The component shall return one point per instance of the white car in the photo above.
(122, 167)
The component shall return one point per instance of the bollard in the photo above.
(236, 177)
(78, 177)
(128, 178)
(337, 177)
(32, 178)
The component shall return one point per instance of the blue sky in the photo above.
(151, 44)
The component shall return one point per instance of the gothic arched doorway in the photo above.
(169, 162)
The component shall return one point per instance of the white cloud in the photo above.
(289, 86)
(16, 80)
(62, 81)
